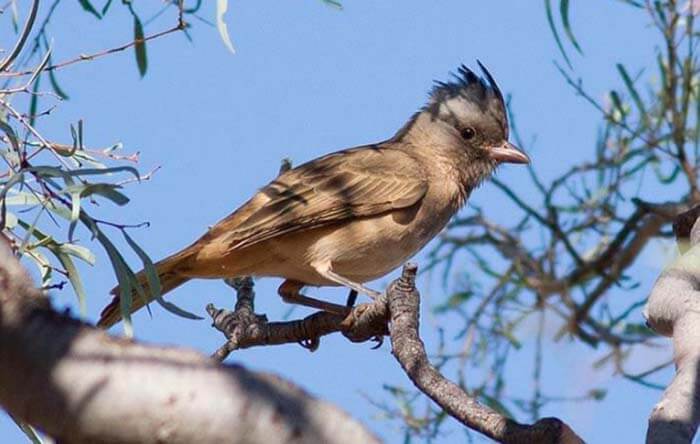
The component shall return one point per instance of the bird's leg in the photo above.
(290, 293)
(324, 269)
(352, 298)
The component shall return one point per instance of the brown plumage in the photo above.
(354, 215)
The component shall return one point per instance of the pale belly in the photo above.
(361, 251)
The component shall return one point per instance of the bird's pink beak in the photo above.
(508, 153)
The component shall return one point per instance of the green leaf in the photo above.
(553, 28)
(333, 3)
(56, 88)
(122, 271)
(105, 8)
(666, 179)
(89, 8)
(617, 105)
(193, 9)
(78, 251)
(15, 17)
(73, 278)
(140, 47)
(660, 11)
(74, 213)
(632, 90)
(62, 252)
(58, 172)
(107, 190)
(564, 11)
(633, 3)
(221, 7)
(52, 75)
(34, 101)
(22, 198)
(10, 133)
(42, 264)
(508, 335)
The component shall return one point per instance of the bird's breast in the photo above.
(368, 248)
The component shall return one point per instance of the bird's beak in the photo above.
(508, 153)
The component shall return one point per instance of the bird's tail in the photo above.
(169, 280)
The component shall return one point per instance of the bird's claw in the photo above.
(379, 341)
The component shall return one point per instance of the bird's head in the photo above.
(472, 110)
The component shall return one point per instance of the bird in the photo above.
(354, 215)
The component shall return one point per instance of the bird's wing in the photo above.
(354, 183)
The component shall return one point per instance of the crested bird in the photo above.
(354, 215)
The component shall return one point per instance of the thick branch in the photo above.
(79, 385)
(673, 310)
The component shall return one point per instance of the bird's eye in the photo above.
(467, 133)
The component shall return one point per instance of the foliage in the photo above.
(566, 256)
(50, 190)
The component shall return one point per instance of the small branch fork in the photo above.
(395, 313)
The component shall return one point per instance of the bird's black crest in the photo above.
(465, 82)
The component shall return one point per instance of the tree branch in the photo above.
(673, 309)
(409, 350)
(79, 385)
(398, 307)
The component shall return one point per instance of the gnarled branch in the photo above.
(80, 385)
(673, 309)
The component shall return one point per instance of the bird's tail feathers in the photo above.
(169, 280)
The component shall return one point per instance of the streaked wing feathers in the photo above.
(354, 183)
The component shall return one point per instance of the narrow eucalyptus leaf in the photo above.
(103, 189)
(56, 87)
(154, 282)
(632, 90)
(34, 101)
(121, 270)
(10, 133)
(564, 11)
(553, 28)
(73, 278)
(140, 47)
(333, 3)
(78, 251)
(57, 172)
(89, 8)
(105, 8)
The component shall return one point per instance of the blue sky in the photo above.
(308, 79)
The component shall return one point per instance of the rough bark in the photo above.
(409, 350)
(80, 385)
(673, 310)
